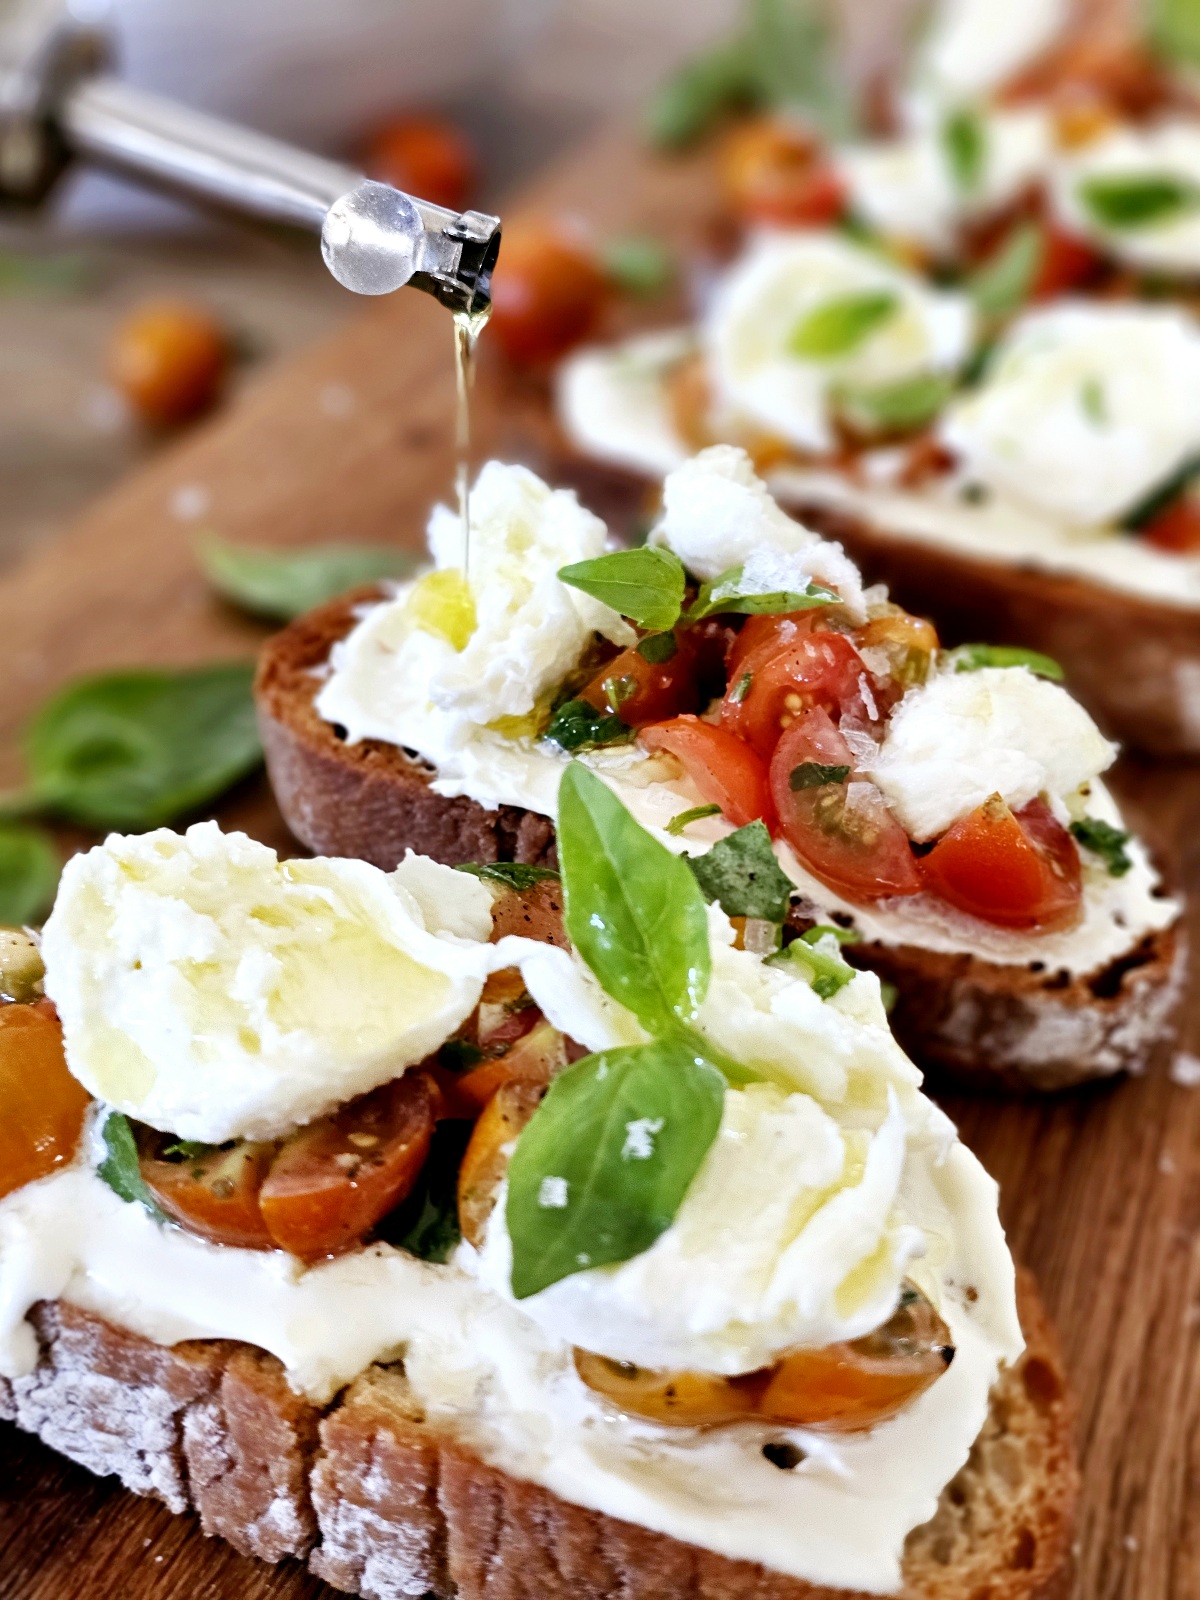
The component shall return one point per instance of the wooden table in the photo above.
(352, 440)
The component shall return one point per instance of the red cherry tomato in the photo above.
(426, 156)
(843, 832)
(640, 691)
(334, 1180)
(764, 636)
(771, 170)
(774, 684)
(548, 294)
(1176, 527)
(214, 1193)
(1014, 870)
(724, 769)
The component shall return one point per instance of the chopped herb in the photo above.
(1162, 494)
(188, 1149)
(120, 1169)
(975, 657)
(888, 994)
(1094, 402)
(657, 647)
(741, 874)
(904, 405)
(813, 774)
(1125, 202)
(639, 264)
(1105, 841)
(509, 874)
(964, 142)
(576, 725)
(426, 1224)
(678, 823)
(838, 326)
(742, 688)
(826, 970)
(459, 1055)
(1005, 280)
(619, 690)
(645, 584)
(726, 594)
(826, 930)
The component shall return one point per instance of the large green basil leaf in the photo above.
(601, 1170)
(725, 594)
(29, 868)
(645, 585)
(282, 584)
(632, 909)
(975, 657)
(1124, 201)
(838, 326)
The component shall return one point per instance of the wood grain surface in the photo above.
(352, 440)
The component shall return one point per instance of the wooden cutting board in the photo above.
(352, 441)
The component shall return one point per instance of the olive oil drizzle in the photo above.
(468, 325)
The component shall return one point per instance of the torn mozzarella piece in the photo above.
(1169, 150)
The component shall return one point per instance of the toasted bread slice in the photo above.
(972, 1018)
(384, 1503)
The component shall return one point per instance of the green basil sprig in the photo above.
(684, 819)
(136, 749)
(1105, 841)
(964, 141)
(741, 874)
(815, 775)
(282, 584)
(725, 594)
(577, 725)
(120, 1169)
(838, 326)
(646, 585)
(1005, 281)
(827, 973)
(509, 874)
(638, 264)
(904, 405)
(975, 657)
(1124, 202)
(29, 869)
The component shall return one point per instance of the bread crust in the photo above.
(386, 1504)
(1003, 1026)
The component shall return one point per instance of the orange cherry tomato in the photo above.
(548, 294)
(1016, 870)
(843, 1388)
(842, 831)
(771, 170)
(1067, 262)
(723, 767)
(640, 691)
(533, 1059)
(334, 1180)
(169, 361)
(486, 1158)
(41, 1105)
(772, 686)
(215, 1193)
(1176, 527)
(898, 650)
(426, 156)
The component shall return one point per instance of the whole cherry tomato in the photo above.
(548, 293)
(772, 170)
(169, 361)
(426, 156)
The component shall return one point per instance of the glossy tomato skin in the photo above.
(42, 1106)
(548, 294)
(424, 155)
(762, 636)
(640, 691)
(334, 1180)
(843, 832)
(771, 170)
(723, 767)
(215, 1194)
(815, 669)
(1068, 262)
(169, 361)
(1176, 527)
(1015, 870)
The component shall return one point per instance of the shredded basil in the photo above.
(741, 874)
(1124, 202)
(509, 874)
(577, 725)
(120, 1169)
(975, 657)
(1105, 841)
(657, 647)
(964, 140)
(679, 822)
(814, 774)
(825, 969)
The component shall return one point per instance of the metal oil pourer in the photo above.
(60, 102)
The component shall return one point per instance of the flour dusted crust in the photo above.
(383, 1503)
(973, 1018)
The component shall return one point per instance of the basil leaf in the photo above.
(741, 688)
(639, 264)
(814, 775)
(37, 272)
(1105, 841)
(678, 823)
(700, 92)
(577, 725)
(135, 749)
(741, 874)
(632, 908)
(825, 969)
(1174, 30)
(974, 657)
(725, 594)
(1127, 201)
(1093, 402)
(964, 141)
(1005, 280)
(792, 46)
(1162, 494)
(282, 584)
(120, 1169)
(509, 874)
(189, 1149)
(29, 869)
(645, 585)
(837, 327)
(906, 404)
(602, 1168)
(657, 647)
(426, 1224)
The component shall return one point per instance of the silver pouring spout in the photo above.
(60, 102)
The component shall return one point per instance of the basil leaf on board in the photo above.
(964, 140)
(632, 909)
(741, 874)
(974, 657)
(120, 1169)
(838, 326)
(657, 647)
(725, 594)
(904, 405)
(1105, 841)
(602, 1168)
(815, 775)
(823, 967)
(577, 725)
(1173, 27)
(792, 44)
(701, 91)
(29, 869)
(509, 874)
(1124, 202)
(282, 584)
(639, 264)
(645, 585)
(679, 822)
(1005, 281)
(135, 749)
(426, 1223)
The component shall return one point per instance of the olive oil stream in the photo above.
(467, 328)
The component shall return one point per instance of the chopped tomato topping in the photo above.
(1016, 870)
(839, 826)
(1176, 527)
(763, 636)
(486, 1159)
(334, 1180)
(776, 685)
(727, 772)
(640, 691)
(899, 651)
(214, 1193)
(41, 1105)
(534, 1059)
(772, 170)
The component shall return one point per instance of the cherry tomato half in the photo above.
(1016, 870)
(548, 294)
(841, 830)
(640, 691)
(486, 1159)
(215, 1193)
(723, 767)
(771, 686)
(426, 156)
(41, 1105)
(771, 170)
